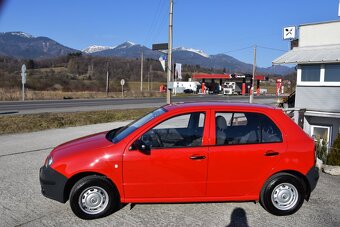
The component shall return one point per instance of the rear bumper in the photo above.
(313, 177)
(52, 184)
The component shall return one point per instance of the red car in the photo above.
(187, 152)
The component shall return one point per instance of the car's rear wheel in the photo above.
(283, 194)
(94, 197)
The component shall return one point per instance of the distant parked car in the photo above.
(189, 152)
(188, 91)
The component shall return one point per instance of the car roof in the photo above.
(211, 105)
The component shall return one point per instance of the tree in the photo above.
(333, 157)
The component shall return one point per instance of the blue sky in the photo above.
(214, 26)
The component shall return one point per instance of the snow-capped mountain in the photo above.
(128, 50)
(200, 52)
(24, 45)
(22, 34)
(96, 48)
(188, 56)
(126, 44)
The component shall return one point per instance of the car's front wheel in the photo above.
(283, 194)
(93, 197)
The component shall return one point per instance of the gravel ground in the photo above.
(21, 203)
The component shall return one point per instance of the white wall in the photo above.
(320, 34)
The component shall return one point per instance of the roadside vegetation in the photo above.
(332, 156)
(84, 76)
(36, 122)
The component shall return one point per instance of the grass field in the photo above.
(37, 122)
(14, 94)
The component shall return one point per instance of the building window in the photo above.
(332, 73)
(310, 73)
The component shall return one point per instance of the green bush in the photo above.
(321, 150)
(333, 157)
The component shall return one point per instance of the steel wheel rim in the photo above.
(93, 200)
(284, 196)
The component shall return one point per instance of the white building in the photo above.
(318, 78)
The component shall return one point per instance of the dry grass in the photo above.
(14, 94)
(37, 122)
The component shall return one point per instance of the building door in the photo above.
(320, 132)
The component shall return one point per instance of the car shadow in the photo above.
(238, 218)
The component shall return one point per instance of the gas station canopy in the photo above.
(226, 76)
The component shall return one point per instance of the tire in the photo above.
(283, 194)
(94, 197)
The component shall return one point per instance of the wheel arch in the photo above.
(72, 180)
(296, 174)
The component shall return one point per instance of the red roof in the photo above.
(222, 76)
(211, 76)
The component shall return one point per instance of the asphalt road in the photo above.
(72, 105)
(21, 203)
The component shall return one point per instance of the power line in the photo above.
(161, 22)
(155, 20)
(161, 27)
(240, 49)
(270, 48)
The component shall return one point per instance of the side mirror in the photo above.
(142, 147)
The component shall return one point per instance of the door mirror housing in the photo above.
(142, 147)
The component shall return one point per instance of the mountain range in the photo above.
(26, 46)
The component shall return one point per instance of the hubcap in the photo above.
(93, 200)
(284, 196)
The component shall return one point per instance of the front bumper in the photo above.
(52, 184)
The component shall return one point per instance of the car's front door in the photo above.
(177, 164)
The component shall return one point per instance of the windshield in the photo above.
(127, 130)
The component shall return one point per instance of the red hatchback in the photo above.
(188, 152)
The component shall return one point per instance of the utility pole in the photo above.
(107, 79)
(251, 97)
(141, 72)
(150, 69)
(151, 76)
(168, 94)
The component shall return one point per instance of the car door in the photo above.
(248, 145)
(176, 166)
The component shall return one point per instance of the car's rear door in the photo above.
(177, 164)
(244, 154)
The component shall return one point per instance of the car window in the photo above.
(239, 119)
(180, 131)
(127, 130)
(176, 122)
(227, 117)
(245, 128)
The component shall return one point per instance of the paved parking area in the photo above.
(21, 203)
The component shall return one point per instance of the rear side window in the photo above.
(245, 128)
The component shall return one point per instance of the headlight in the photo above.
(49, 161)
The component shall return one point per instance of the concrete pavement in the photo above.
(22, 204)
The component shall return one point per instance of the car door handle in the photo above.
(271, 153)
(197, 157)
